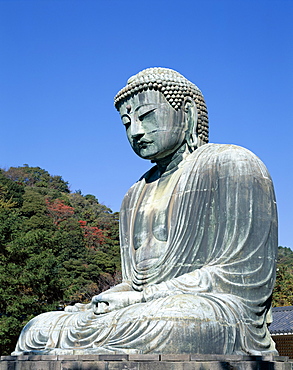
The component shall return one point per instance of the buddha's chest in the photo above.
(151, 224)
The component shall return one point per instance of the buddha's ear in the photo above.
(191, 116)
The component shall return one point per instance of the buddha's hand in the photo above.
(77, 307)
(111, 301)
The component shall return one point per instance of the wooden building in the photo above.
(281, 330)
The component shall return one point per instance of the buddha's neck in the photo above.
(171, 162)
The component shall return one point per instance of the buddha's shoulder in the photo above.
(224, 152)
(222, 157)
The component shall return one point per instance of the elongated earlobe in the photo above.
(191, 141)
(191, 118)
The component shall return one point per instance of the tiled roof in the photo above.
(282, 320)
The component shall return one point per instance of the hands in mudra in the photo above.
(108, 301)
(111, 301)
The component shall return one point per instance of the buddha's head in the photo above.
(162, 111)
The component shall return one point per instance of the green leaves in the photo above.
(36, 176)
(56, 248)
(283, 291)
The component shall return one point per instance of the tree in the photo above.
(283, 290)
(58, 210)
(36, 176)
(94, 236)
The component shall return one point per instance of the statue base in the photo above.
(145, 362)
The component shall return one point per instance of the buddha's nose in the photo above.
(137, 129)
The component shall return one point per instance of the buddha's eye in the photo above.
(126, 121)
(144, 113)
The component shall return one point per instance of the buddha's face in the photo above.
(154, 129)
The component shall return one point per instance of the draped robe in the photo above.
(200, 242)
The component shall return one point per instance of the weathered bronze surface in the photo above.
(198, 241)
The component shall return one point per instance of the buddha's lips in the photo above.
(144, 143)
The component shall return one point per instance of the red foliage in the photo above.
(58, 210)
(93, 235)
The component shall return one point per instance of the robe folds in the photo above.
(207, 286)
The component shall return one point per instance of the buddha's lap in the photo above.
(179, 323)
(192, 309)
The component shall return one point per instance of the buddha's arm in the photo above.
(123, 295)
(119, 296)
(197, 281)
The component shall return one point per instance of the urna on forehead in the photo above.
(175, 88)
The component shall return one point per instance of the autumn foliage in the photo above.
(58, 210)
(94, 236)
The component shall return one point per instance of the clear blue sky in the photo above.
(62, 62)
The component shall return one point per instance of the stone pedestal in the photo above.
(145, 362)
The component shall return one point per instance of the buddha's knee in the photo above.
(193, 307)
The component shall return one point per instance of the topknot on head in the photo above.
(175, 88)
(153, 74)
